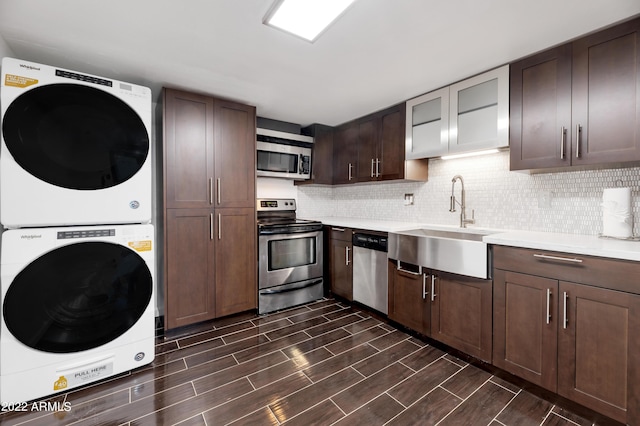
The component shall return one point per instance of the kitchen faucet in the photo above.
(463, 215)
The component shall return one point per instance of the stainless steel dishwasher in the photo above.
(370, 270)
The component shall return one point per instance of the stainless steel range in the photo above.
(290, 256)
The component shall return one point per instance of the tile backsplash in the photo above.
(567, 202)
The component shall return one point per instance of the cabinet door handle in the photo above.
(346, 256)
(578, 127)
(563, 138)
(219, 226)
(373, 174)
(565, 319)
(548, 305)
(211, 226)
(210, 191)
(424, 286)
(219, 184)
(564, 259)
(377, 167)
(350, 174)
(433, 287)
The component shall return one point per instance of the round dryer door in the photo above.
(75, 136)
(78, 297)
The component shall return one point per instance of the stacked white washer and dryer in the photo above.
(77, 254)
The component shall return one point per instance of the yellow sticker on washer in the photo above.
(60, 384)
(140, 245)
(18, 81)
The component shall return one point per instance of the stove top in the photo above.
(278, 216)
(278, 221)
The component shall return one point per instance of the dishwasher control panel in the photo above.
(370, 241)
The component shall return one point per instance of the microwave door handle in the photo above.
(300, 164)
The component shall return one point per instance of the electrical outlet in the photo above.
(408, 199)
(544, 200)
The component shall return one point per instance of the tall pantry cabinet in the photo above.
(209, 201)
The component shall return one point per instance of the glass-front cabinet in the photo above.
(471, 115)
(427, 133)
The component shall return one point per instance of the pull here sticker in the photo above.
(18, 81)
(81, 377)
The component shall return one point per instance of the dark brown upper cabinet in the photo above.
(372, 148)
(578, 104)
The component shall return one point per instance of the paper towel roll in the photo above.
(617, 220)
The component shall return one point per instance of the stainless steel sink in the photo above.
(458, 252)
(421, 232)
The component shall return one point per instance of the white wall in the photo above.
(567, 202)
(275, 188)
(4, 49)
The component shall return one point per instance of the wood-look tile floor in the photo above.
(323, 363)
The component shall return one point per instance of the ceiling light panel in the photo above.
(305, 18)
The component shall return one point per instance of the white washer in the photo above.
(77, 307)
(75, 148)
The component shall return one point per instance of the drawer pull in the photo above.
(548, 305)
(424, 286)
(565, 319)
(578, 128)
(409, 272)
(338, 229)
(433, 288)
(564, 259)
(400, 269)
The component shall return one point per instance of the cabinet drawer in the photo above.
(341, 233)
(596, 271)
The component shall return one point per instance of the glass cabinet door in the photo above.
(427, 131)
(479, 112)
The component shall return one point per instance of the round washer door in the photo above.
(75, 136)
(78, 297)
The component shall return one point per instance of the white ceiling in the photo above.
(380, 52)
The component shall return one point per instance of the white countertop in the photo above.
(568, 243)
(368, 224)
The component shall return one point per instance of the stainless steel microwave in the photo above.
(283, 155)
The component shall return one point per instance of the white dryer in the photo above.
(75, 148)
(77, 307)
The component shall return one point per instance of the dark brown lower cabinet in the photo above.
(461, 314)
(580, 340)
(190, 290)
(341, 258)
(211, 264)
(450, 308)
(599, 350)
(235, 260)
(525, 327)
(409, 303)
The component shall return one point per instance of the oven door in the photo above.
(289, 258)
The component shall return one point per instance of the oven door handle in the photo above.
(312, 283)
